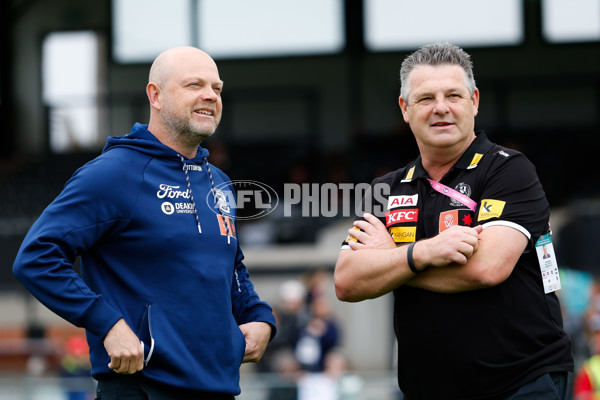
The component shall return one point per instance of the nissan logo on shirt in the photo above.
(408, 215)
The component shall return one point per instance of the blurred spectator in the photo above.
(587, 380)
(291, 315)
(318, 337)
(288, 370)
(75, 364)
(586, 385)
(319, 284)
(334, 383)
(591, 324)
(578, 291)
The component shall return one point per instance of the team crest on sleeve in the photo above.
(402, 201)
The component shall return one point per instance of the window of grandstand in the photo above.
(571, 21)
(407, 24)
(144, 28)
(227, 28)
(241, 28)
(71, 80)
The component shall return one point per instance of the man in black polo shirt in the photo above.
(475, 312)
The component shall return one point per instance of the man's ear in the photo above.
(153, 93)
(475, 100)
(404, 107)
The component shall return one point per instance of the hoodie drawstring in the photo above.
(213, 191)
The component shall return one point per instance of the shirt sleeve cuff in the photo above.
(510, 225)
(100, 318)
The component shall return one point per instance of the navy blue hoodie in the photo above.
(130, 216)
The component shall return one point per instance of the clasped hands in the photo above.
(454, 245)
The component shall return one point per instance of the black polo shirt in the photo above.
(481, 343)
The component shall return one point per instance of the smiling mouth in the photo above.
(442, 124)
(205, 112)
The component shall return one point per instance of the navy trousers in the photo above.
(134, 387)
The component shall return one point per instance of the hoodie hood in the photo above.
(142, 140)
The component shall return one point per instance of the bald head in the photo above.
(184, 91)
(170, 62)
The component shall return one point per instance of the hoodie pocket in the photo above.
(144, 333)
(240, 342)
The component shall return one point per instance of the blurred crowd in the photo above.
(580, 298)
(306, 355)
(308, 361)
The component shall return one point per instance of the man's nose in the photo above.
(208, 94)
(440, 105)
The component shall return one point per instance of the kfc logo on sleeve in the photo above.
(402, 201)
(394, 217)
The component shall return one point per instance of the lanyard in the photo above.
(447, 191)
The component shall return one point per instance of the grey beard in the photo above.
(189, 135)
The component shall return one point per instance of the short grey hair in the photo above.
(437, 54)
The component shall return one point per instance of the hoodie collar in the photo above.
(142, 140)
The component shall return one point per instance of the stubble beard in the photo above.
(184, 131)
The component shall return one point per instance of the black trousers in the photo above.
(136, 387)
(546, 387)
(550, 386)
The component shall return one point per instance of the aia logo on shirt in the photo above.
(408, 215)
(455, 217)
(402, 201)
